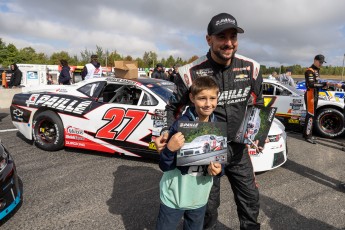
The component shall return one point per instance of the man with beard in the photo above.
(158, 72)
(240, 84)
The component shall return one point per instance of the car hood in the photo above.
(276, 128)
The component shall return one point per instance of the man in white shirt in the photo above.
(92, 69)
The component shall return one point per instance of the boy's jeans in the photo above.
(169, 218)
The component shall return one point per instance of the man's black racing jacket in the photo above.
(239, 84)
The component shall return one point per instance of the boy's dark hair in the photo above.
(202, 83)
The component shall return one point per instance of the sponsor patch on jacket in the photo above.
(204, 72)
(246, 68)
(241, 77)
(234, 96)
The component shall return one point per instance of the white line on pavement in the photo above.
(8, 130)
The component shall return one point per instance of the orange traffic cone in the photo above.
(4, 81)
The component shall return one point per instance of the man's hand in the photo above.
(161, 141)
(176, 142)
(214, 168)
(338, 85)
(255, 145)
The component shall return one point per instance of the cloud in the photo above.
(276, 33)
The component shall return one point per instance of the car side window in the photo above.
(126, 94)
(89, 89)
(109, 92)
(267, 89)
(148, 100)
(282, 92)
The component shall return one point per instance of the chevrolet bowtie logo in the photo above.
(18, 113)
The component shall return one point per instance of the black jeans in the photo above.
(169, 218)
(239, 171)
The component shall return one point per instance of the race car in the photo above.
(301, 85)
(275, 152)
(203, 144)
(112, 115)
(291, 109)
(10, 194)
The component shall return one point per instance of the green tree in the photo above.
(113, 56)
(56, 57)
(193, 58)
(170, 61)
(12, 55)
(150, 59)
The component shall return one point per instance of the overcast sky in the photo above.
(283, 32)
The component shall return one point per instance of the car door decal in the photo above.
(116, 116)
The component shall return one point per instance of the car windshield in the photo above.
(164, 91)
(293, 89)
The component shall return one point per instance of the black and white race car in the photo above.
(111, 115)
(291, 109)
(10, 192)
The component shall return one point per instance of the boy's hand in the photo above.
(161, 141)
(214, 168)
(176, 142)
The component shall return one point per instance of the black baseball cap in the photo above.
(94, 56)
(320, 58)
(221, 22)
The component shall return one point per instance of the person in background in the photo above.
(92, 69)
(175, 74)
(65, 74)
(273, 76)
(49, 79)
(184, 190)
(158, 72)
(170, 76)
(311, 95)
(16, 77)
(223, 64)
(286, 78)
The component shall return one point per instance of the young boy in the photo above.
(184, 190)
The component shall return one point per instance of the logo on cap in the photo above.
(225, 21)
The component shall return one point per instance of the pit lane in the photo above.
(74, 189)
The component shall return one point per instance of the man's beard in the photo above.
(221, 56)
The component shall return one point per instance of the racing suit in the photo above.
(311, 96)
(238, 83)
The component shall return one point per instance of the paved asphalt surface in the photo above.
(74, 189)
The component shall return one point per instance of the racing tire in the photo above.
(329, 123)
(48, 131)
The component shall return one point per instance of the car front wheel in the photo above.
(329, 123)
(48, 131)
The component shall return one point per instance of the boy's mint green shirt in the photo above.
(189, 191)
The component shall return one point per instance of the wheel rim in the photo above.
(330, 123)
(47, 131)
